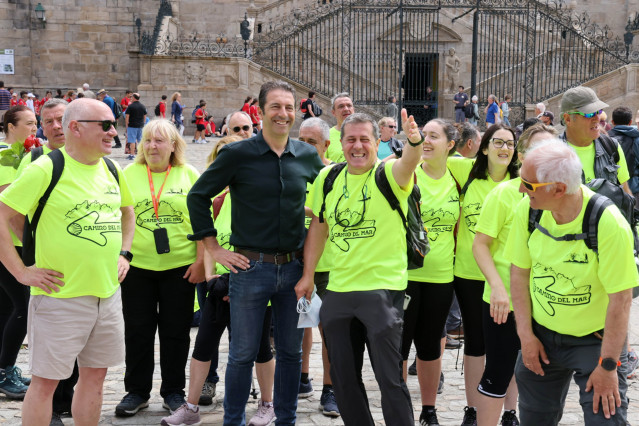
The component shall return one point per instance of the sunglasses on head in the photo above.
(589, 115)
(106, 124)
(237, 129)
(533, 186)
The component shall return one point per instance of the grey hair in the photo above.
(339, 95)
(86, 86)
(228, 117)
(474, 98)
(554, 161)
(493, 97)
(54, 102)
(320, 124)
(541, 107)
(360, 118)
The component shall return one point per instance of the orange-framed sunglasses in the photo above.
(533, 186)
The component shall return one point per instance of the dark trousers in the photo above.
(380, 312)
(162, 301)
(63, 394)
(14, 327)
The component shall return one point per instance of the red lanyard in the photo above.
(156, 199)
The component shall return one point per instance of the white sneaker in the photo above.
(183, 416)
(265, 415)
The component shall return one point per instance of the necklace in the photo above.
(345, 222)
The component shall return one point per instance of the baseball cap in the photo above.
(101, 91)
(581, 99)
(30, 95)
(549, 115)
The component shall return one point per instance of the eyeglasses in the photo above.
(499, 143)
(237, 129)
(589, 115)
(106, 124)
(533, 186)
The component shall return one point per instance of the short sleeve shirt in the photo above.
(586, 155)
(334, 151)
(569, 283)
(490, 114)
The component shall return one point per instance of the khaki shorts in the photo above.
(87, 328)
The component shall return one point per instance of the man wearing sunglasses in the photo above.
(600, 155)
(389, 147)
(75, 309)
(571, 304)
(239, 123)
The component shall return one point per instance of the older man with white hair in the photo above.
(571, 302)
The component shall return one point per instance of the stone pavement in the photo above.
(450, 404)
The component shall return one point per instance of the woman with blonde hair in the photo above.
(159, 289)
(176, 111)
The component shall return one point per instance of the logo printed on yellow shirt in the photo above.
(552, 288)
(88, 221)
(432, 217)
(471, 215)
(167, 215)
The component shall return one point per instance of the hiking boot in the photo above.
(412, 370)
(265, 415)
(509, 418)
(208, 392)
(306, 389)
(173, 401)
(452, 343)
(56, 420)
(429, 418)
(17, 374)
(183, 416)
(470, 416)
(10, 383)
(440, 387)
(328, 404)
(631, 365)
(130, 405)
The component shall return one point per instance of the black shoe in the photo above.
(470, 416)
(452, 343)
(56, 420)
(173, 401)
(118, 145)
(429, 418)
(412, 370)
(208, 392)
(130, 405)
(509, 418)
(440, 388)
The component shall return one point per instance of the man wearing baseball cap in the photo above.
(103, 96)
(548, 118)
(600, 155)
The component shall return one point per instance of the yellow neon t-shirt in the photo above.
(26, 160)
(334, 151)
(80, 231)
(173, 214)
(7, 175)
(367, 248)
(440, 211)
(569, 283)
(323, 264)
(495, 220)
(223, 227)
(586, 155)
(465, 265)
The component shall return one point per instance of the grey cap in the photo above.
(581, 99)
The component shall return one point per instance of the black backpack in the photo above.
(469, 111)
(28, 235)
(117, 110)
(417, 245)
(317, 110)
(606, 194)
(157, 110)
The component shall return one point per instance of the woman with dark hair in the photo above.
(247, 105)
(431, 287)
(19, 124)
(495, 163)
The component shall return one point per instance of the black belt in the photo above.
(278, 259)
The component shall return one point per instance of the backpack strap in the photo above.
(112, 169)
(384, 187)
(331, 176)
(464, 189)
(36, 153)
(534, 216)
(594, 209)
(28, 236)
(610, 145)
(459, 189)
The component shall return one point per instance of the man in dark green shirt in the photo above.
(267, 176)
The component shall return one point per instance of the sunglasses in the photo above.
(392, 127)
(533, 186)
(106, 124)
(237, 129)
(589, 115)
(499, 143)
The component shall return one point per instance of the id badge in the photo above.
(161, 240)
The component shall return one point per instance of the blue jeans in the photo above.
(249, 293)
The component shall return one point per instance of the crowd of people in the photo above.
(112, 256)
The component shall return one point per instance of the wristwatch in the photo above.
(127, 255)
(609, 364)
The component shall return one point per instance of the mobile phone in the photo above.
(161, 237)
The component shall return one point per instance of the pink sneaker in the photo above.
(183, 416)
(265, 415)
